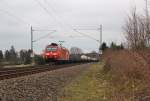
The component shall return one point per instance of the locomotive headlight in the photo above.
(47, 53)
(55, 54)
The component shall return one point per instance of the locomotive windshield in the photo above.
(51, 49)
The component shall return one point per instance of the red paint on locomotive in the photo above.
(55, 52)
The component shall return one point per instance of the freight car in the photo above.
(82, 58)
(55, 52)
(58, 54)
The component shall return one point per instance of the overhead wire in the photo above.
(13, 14)
(53, 10)
(48, 12)
(16, 17)
(59, 16)
(45, 36)
(43, 30)
(86, 35)
(68, 25)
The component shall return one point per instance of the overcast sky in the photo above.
(16, 16)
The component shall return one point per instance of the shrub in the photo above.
(130, 72)
(39, 60)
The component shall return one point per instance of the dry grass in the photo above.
(130, 74)
(89, 86)
(18, 66)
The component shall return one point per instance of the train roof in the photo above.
(54, 44)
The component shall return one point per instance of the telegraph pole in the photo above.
(100, 38)
(32, 40)
(32, 53)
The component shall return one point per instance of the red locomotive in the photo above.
(55, 52)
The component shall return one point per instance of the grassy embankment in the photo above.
(125, 76)
(90, 86)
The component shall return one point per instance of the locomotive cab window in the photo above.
(51, 49)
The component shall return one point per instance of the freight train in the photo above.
(55, 52)
(58, 53)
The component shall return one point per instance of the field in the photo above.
(90, 86)
(123, 75)
(129, 74)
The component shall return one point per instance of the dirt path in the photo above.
(39, 87)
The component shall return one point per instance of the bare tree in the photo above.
(13, 55)
(25, 56)
(137, 31)
(1, 55)
(7, 55)
(147, 22)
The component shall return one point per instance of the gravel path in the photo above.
(39, 87)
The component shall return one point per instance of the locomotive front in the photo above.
(55, 52)
(51, 53)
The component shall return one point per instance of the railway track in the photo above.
(17, 72)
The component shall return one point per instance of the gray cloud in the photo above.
(64, 15)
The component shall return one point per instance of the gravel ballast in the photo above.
(39, 87)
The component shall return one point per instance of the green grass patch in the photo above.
(90, 86)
